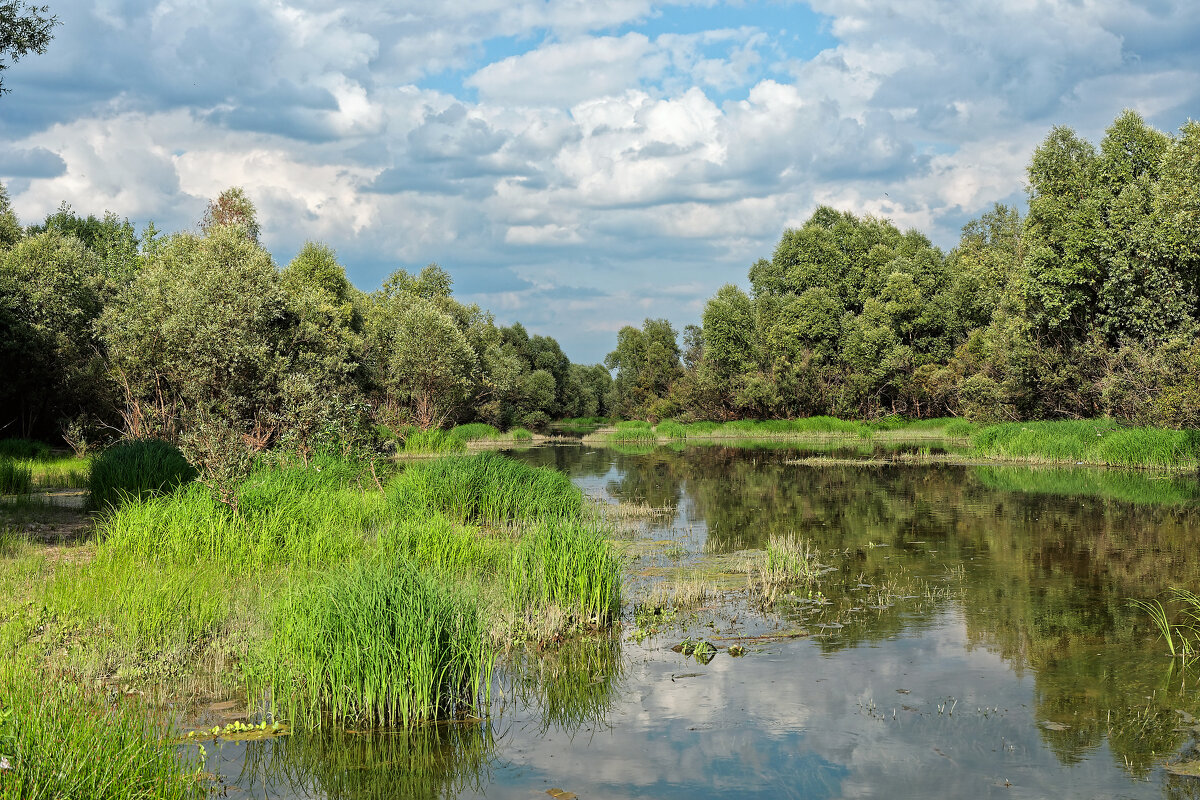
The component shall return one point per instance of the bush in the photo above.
(136, 469)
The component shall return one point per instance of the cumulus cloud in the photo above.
(534, 145)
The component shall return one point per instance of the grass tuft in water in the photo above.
(376, 643)
(1086, 441)
(434, 440)
(487, 488)
(566, 564)
(59, 740)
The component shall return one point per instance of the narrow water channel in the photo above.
(971, 636)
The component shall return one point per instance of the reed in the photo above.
(375, 643)
(433, 440)
(474, 431)
(521, 434)
(633, 425)
(487, 488)
(671, 429)
(1101, 441)
(60, 740)
(566, 564)
(24, 449)
(636, 435)
(136, 468)
(316, 526)
(66, 472)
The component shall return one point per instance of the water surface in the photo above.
(972, 637)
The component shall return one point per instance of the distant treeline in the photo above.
(1087, 307)
(199, 338)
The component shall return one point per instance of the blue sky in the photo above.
(576, 165)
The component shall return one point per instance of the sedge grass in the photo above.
(190, 526)
(487, 488)
(1101, 441)
(24, 449)
(433, 441)
(671, 429)
(566, 564)
(375, 643)
(66, 472)
(473, 431)
(59, 740)
(521, 434)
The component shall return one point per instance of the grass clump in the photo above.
(474, 431)
(1100, 441)
(136, 468)
(569, 565)
(316, 526)
(521, 435)
(434, 440)
(24, 449)
(633, 425)
(486, 488)
(60, 740)
(633, 435)
(15, 477)
(377, 643)
(671, 429)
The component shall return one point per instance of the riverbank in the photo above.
(425, 577)
(1084, 442)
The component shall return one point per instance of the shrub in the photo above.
(137, 468)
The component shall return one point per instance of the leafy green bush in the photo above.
(135, 469)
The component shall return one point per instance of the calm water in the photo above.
(972, 637)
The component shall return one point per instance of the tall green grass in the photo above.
(63, 741)
(378, 643)
(567, 564)
(24, 449)
(521, 434)
(136, 468)
(15, 477)
(1086, 441)
(433, 440)
(671, 429)
(486, 488)
(474, 431)
(630, 436)
(633, 425)
(306, 528)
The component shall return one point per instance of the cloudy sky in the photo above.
(575, 164)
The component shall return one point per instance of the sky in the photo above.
(577, 165)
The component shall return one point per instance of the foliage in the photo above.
(24, 29)
(15, 477)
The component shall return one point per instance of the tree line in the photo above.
(1086, 307)
(199, 337)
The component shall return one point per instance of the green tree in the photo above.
(24, 29)
(232, 208)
